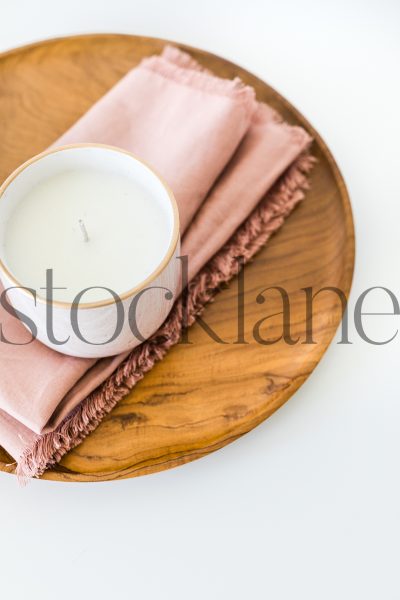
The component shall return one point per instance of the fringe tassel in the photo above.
(265, 220)
(190, 73)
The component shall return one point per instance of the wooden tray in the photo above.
(202, 396)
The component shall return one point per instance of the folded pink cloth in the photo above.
(221, 152)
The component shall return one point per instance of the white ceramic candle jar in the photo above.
(89, 240)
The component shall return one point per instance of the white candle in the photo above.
(125, 223)
(99, 218)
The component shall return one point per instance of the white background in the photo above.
(307, 505)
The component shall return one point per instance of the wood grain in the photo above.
(203, 395)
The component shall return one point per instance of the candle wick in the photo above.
(84, 231)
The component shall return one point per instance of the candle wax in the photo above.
(129, 232)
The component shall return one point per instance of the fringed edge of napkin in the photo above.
(265, 220)
(188, 72)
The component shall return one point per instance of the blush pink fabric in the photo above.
(219, 149)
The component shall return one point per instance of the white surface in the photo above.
(307, 505)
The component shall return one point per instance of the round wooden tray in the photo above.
(205, 395)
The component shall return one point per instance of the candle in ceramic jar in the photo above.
(99, 218)
(92, 227)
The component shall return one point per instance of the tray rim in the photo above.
(349, 251)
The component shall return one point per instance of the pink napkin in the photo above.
(221, 151)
